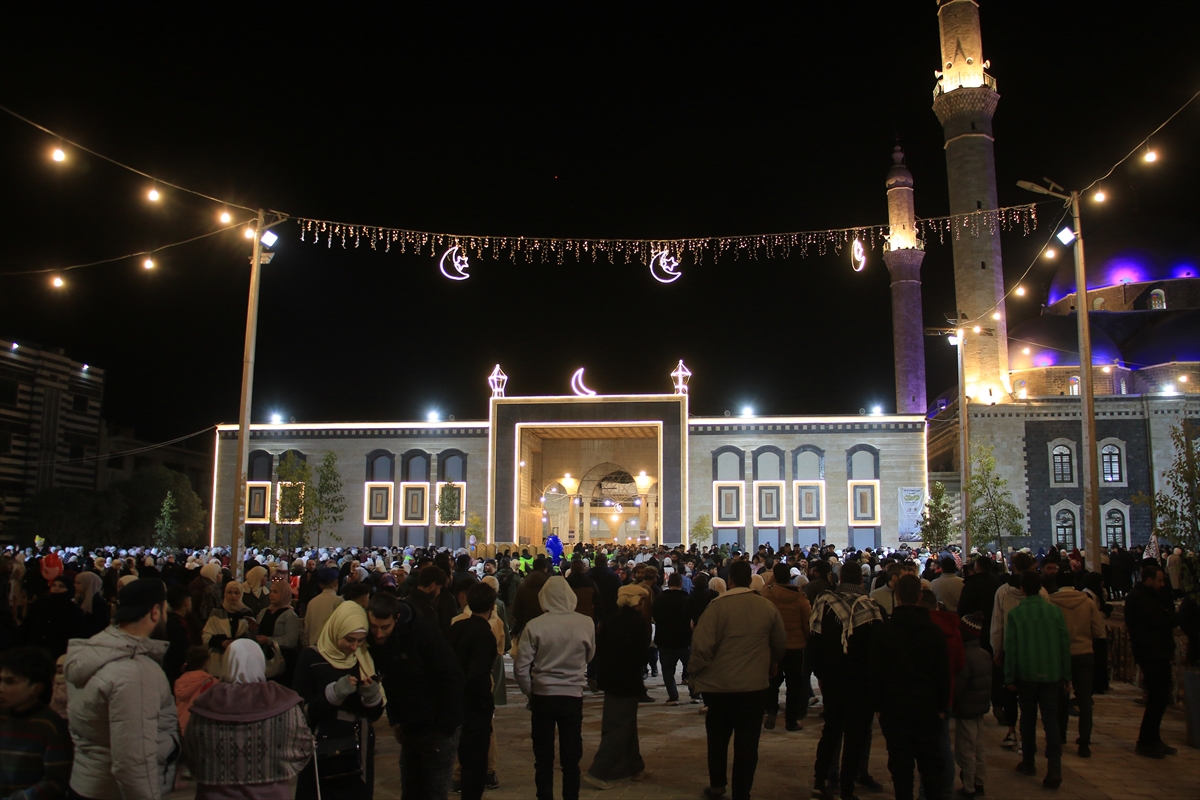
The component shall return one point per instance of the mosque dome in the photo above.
(1135, 251)
(1053, 341)
(1175, 338)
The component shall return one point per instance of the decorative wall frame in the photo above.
(728, 508)
(377, 503)
(769, 503)
(258, 502)
(279, 518)
(462, 504)
(414, 503)
(863, 500)
(808, 503)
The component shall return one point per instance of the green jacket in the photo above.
(1037, 645)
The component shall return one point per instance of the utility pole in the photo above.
(237, 542)
(964, 442)
(1091, 477)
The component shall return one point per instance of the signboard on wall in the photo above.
(912, 503)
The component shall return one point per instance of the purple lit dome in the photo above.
(1176, 338)
(1134, 251)
(1053, 341)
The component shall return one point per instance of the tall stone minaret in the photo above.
(965, 100)
(903, 256)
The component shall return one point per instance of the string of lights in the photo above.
(133, 451)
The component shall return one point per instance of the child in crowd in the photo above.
(194, 682)
(36, 746)
(972, 699)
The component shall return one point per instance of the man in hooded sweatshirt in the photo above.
(121, 711)
(550, 667)
(1084, 623)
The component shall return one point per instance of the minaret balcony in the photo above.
(965, 83)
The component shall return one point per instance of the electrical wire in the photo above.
(125, 257)
(1127, 156)
(134, 451)
(124, 166)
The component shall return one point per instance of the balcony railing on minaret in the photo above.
(988, 81)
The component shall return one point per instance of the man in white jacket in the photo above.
(551, 668)
(121, 711)
(1008, 597)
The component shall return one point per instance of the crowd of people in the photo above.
(125, 674)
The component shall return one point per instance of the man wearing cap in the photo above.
(321, 607)
(121, 710)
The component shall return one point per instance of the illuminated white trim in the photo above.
(266, 517)
(462, 504)
(212, 522)
(741, 520)
(862, 523)
(797, 522)
(577, 385)
(681, 376)
(354, 426)
(782, 521)
(669, 264)
(861, 419)
(858, 256)
(424, 521)
(367, 503)
(458, 264)
(497, 381)
(279, 497)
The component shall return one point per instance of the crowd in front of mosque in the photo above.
(126, 674)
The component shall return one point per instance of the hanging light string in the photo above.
(1140, 143)
(114, 259)
(134, 451)
(752, 246)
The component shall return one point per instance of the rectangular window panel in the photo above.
(864, 503)
(414, 503)
(377, 503)
(768, 503)
(458, 517)
(809, 500)
(727, 504)
(258, 500)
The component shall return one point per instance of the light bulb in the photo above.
(1106, 370)
(1151, 155)
(1020, 291)
(58, 154)
(153, 194)
(1050, 252)
(1099, 196)
(225, 217)
(1183, 378)
(977, 329)
(57, 282)
(996, 315)
(248, 233)
(1025, 350)
(148, 263)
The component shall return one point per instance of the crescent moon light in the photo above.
(664, 267)
(577, 384)
(458, 265)
(858, 256)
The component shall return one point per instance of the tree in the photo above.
(143, 494)
(328, 503)
(295, 501)
(474, 528)
(937, 520)
(1176, 507)
(993, 513)
(702, 531)
(449, 505)
(166, 532)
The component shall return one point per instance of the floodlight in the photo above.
(276, 419)
(269, 238)
(1066, 236)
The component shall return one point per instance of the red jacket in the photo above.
(948, 622)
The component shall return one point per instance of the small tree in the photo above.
(937, 520)
(449, 506)
(295, 500)
(166, 531)
(993, 513)
(474, 528)
(1176, 507)
(702, 531)
(328, 501)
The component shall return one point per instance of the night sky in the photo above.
(589, 120)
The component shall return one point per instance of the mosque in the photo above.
(641, 469)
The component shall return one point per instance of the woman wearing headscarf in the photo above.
(622, 650)
(247, 737)
(337, 679)
(255, 592)
(278, 623)
(89, 596)
(206, 590)
(231, 621)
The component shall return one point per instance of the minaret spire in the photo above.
(965, 100)
(903, 256)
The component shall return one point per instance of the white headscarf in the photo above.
(245, 663)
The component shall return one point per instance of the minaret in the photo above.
(903, 255)
(965, 100)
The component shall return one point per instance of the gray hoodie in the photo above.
(555, 648)
(121, 715)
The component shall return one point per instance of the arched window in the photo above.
(1114, 528)
(1158, 299)
(1098, 304)
(261, 463)
(729, 466)
(1110, 463)
(1064, 467)
(1073, 385)
(1064, 527)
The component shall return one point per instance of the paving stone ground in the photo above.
(673, 746)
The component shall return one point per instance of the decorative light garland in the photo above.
(661, 255)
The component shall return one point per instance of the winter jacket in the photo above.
(526, 607)
(188, 687)
(979, 594)
(609, 584)
(118, 695)
(739, 638)
(795, 609)
(587, 596)
(421, 676)
(622, 650)
(1037, 646)
(556, 646)
(474, 644)
(909, 651)
(672, 627)
(973, 683)
(509, 582)
(1008, 597)
(947, 589)
(948, 623)
(1151, 619)
(1084, 620)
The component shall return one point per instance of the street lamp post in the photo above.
(964, 439)
(1091, 476)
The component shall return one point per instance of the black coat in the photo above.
(672, 625)
(1151, 619)
(421, 675)
(622, 650)
(51, 622)
(908, 658)
(474, 646)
